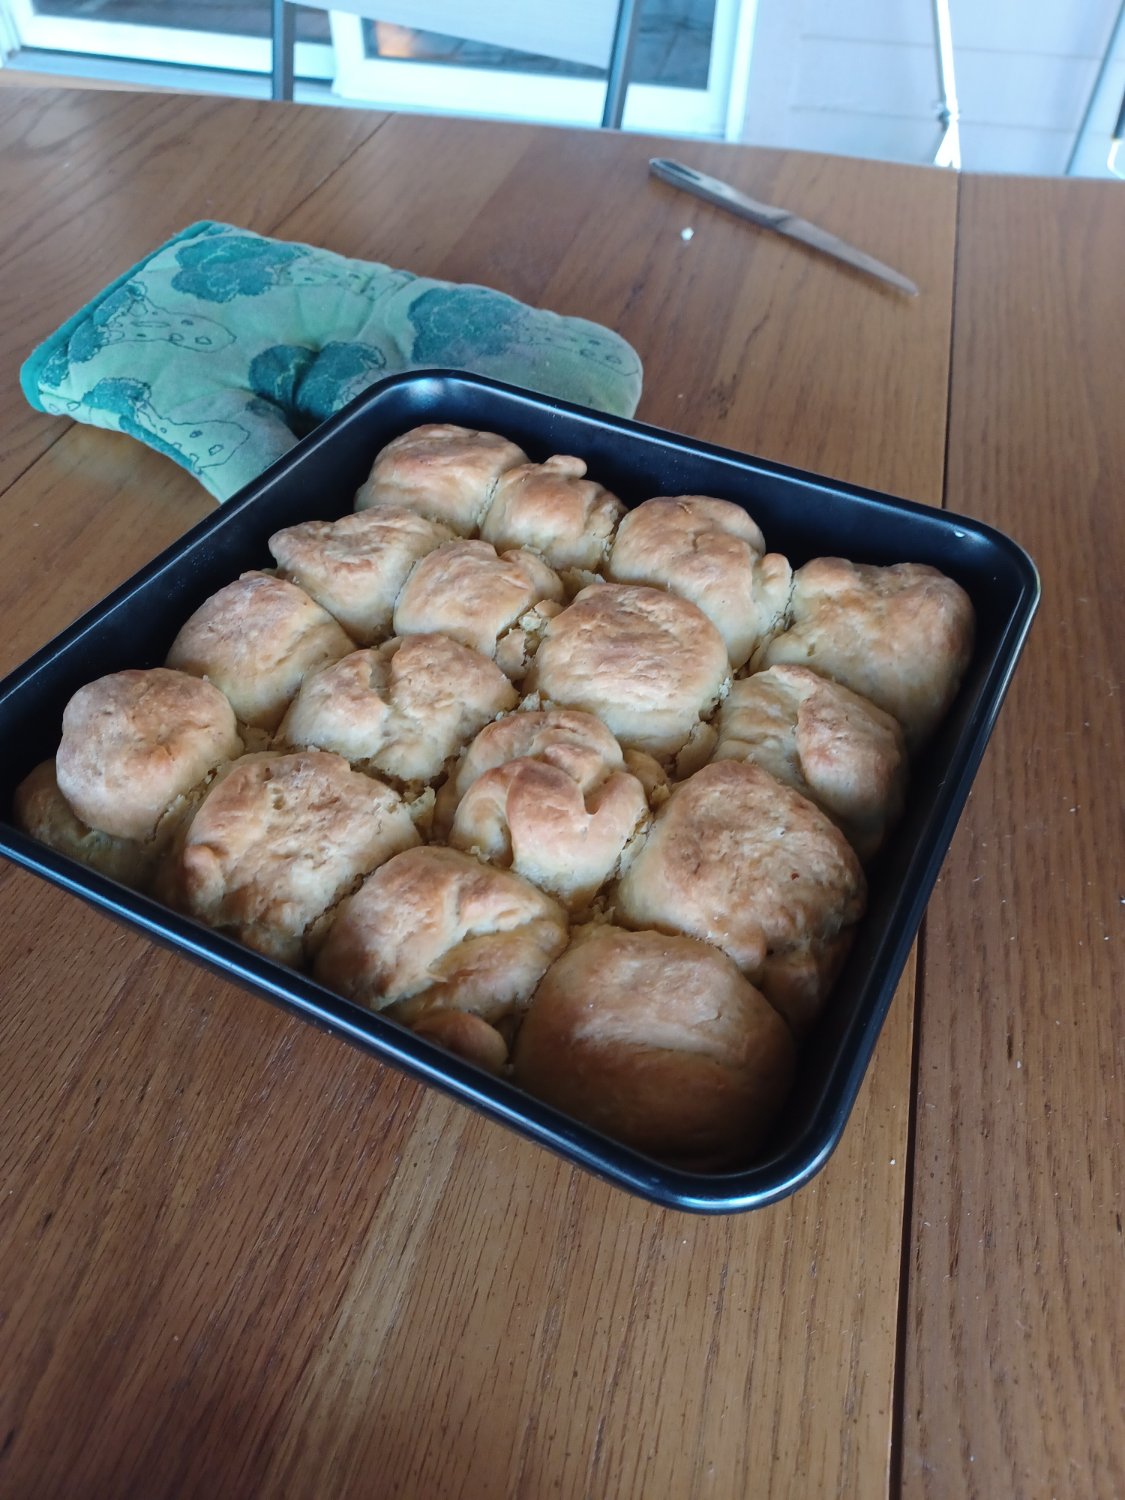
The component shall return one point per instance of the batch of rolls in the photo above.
(581, 794)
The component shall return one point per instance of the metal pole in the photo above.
(284, 33)
(1102, 70)
(620, 63)
(1115, 141)
(949, 114)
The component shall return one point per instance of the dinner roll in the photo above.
(708, 551)
(555, 510)
(648, 663)
(443, 472)
(403, 708)
(901, 636)
(565, 833)
(741, 861)
(484, 599)
(435, 930)
(659, 1042)
(276, 844)
(356, 566)
(41, 810)
(466, 1035)
(135, 744)
(256, 640)
(576, 742)
(827, 742)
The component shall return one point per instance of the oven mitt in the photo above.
(224, 347)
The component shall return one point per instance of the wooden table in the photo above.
(240, 1259)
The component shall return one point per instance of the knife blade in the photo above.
(766, 216)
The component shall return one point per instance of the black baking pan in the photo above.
(801, 515)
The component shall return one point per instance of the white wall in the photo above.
(860, 77)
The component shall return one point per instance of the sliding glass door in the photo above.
(522, 59)
(680, 81)
(229, 35)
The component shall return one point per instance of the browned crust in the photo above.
(647, 663)
(556, 511)
(135, 742)
(739, 860)
(355, 567)
(441, 471)
(472, 593)
(828, 743)
(901, 636)
(433, 930)
(404, 708)
(278, 842)
(658, 1041)
(256, 640)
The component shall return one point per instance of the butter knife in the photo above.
(711, 190)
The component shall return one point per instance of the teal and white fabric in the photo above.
(225, 347)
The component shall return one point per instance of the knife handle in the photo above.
(711, 190)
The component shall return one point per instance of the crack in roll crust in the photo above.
(404, 708)
(256, 640)
(277, 843)
(711, 552)
(435, 930)
(355, 567)
(659, 1041)
(442, 472)
(740, 861)
(649, 664)
(136, 742)
(901, 636)
(828, 743)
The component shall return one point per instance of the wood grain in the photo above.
(95, 180)
(747, 339)
(242, 1259)
(23, 78)
(1016, 1323)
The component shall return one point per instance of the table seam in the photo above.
(902, 1333)
(294, 208)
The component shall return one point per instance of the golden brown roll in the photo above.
(648, 663)
(739, 860)
(901, 636)
(708, 551)
(136, 744)
(556, 511)
(475, 595)
(440, 471)
(41, 810)
(277, 843)
(403, 708)
(256, 640)
(576, 742)
(435, 930)
(356, 566)
(566, 834)
(659, 1042)
(826, 742)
